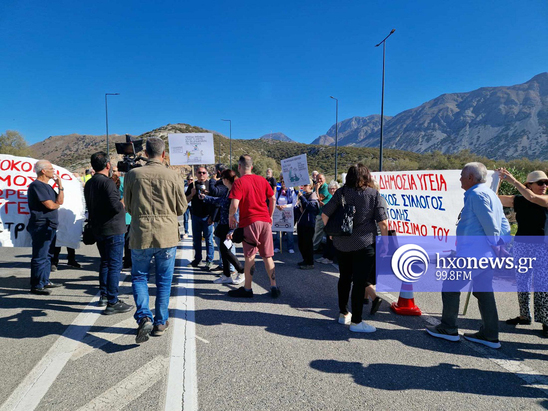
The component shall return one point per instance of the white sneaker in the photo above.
(276, 250)
(362, 327)
(320, 260)
(345, 319)
(291, 251)
(223, 280)
(326, 261)
(240, 278)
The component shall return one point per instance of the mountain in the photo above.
(352, 131)
(496, 122)
(276, 137)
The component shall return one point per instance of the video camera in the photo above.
(129, 150)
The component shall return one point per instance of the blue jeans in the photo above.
(164, 259)
(201, 227)
(288, 235)
(111, 250)
(40, 265)
(186, 216)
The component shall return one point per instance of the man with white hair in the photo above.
(44, 218)
(479, 230)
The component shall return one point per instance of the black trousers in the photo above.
(355, 272)
(55, 251)
(306, 244)
(226, 255)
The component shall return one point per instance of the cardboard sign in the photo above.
(16, 173)
(295, 171)
(424, 203)
(282, 220)
(191, 148)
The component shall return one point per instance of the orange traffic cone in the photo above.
(406, 302)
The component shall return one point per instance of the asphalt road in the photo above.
(60, 353)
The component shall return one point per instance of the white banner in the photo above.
(424, 203)
(16, 173)
(295, 171)
(282, 220)
(191, 148)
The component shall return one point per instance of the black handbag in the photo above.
(341, 223)
(87, 237)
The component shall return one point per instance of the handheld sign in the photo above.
(295, 171)
(282, 220)
(16, 173)
(191, 148)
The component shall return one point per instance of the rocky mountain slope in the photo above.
(276, 137)
(496, 122)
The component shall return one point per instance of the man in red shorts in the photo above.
(249, 194)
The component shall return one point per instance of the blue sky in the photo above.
(267, 66)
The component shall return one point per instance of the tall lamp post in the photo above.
(382, 98)
(230, 121)
(336, 133)
(106, 113)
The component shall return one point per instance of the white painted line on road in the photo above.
(96, 340)
(130, 388)
(202, 340)
(36, 384)
(182, 380)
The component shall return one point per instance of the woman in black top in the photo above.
(356, 253)
(531, 209)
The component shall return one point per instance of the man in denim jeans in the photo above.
(154, 197)
(107, 218)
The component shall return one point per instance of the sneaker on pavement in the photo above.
(117, 308)
(223, 280)
(291, 251)
(275, 292)
(438, 332)
(194, 263)
(240, 278)
(208, 266)
(327, 261)
(53, 268)
(478, 338)
(276, 250)
(40, 291)
(144, 330)
(375, 305)
(241, 293)
(185, 236)
(320, 260)
(52, 285)
(345, 318)
(306, 267)
(159, 329)
(362, 327)
(218, 268)
(103, 300)
(74, 264)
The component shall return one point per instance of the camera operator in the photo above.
(200, 219)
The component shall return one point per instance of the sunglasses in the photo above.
(201, 172)
(541, 183)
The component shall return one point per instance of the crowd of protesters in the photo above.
(139, 212)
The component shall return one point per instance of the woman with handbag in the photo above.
(355, 242)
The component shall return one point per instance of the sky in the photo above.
(267, 66)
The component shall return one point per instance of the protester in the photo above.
(43, 204)
(249, 194)
(118, 178)
(201, 224)
(285, 198)
(482, 218)
(87, 176)
(217, 188)
(322, 192)
(154, 197)
(530, 208)
(71, 257)
(186, 216)
(271, 180)
(307, 209)
(314, 175)
(356, 253)
(222, 230)
(329, 250)
(107, 219)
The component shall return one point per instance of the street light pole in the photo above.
(106, 114)
(336, 133)
(382, 98)
(230, 123)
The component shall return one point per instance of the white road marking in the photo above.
(97, 339)
(130, 388)
(43, 375)
(182, 380)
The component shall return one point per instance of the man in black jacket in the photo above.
(107, 218)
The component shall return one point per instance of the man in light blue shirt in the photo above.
(481, 225)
